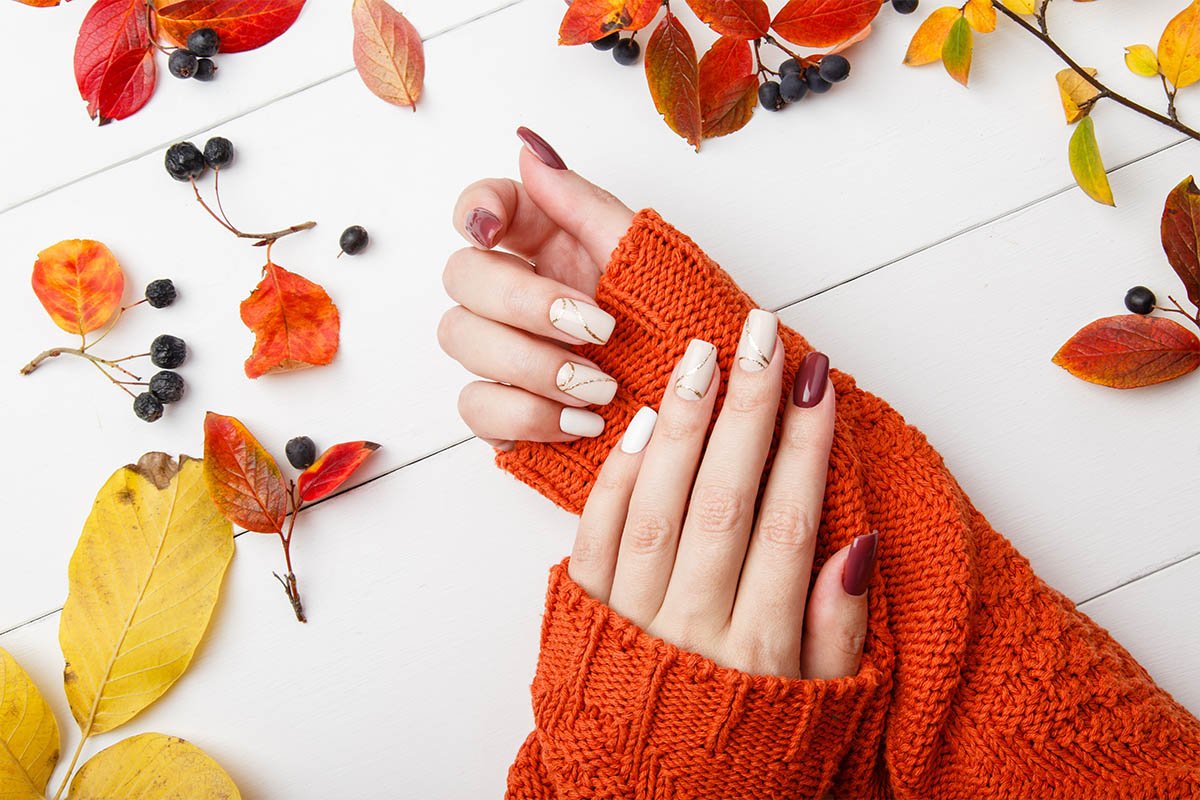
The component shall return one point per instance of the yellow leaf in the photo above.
(1179, 48)
(956, 52)
(28, 735)
(1086, 166)
(1141, 60)
(926, 44)
(1076, 94)
(1022, 6)
(981, 15)
(143, 583)
(152, 767)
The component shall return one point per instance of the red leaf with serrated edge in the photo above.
(388, 53)
(111, 30)
(242, 478)
(1181, 235)
(295, 323)
(745, 19)
(241, 24)
(728, 86)
(332, 469)
(1129, 351)
(127, 85)
(79, 283)
(672, 73)
(820, 23)
(589, 20)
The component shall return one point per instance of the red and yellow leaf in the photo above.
(1179, 47)
(589, 20)
(981, 15)
(79, 283)
(927, 42)
(728, 86)
(1129, 351)
(295, 323)
(672, 73)
(956, 50)
(332, 469)
(241, 24)
(42, 3)
(242, 478)
(743, 19)
(1086, 164)
(820, 23)
(110, 54)
(1181, 236)
(388, 53)
(1076, 93)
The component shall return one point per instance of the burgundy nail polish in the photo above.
(541, 148)
(860, 564)
(483, 226)
(811, 380)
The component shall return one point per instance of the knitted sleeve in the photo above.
(978, 680)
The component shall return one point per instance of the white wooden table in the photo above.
(927, 237)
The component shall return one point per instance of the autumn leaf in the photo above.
(42, 3)
(1021, 6)
(29, 738)
(589, 20)
(1179, 48)
(820, 23)
(79, 283)
(853, 40)
(1086, 164)
(127, 85)
(152, 766)
(1141, 60)
(1077, 94)
(295, 323)
(743, 19)
(388, 53)
(728, 86)
(1181, 235)
(242, 25)
(981, 15)
(243, 479)
(111, 54)
(125, 639)
(956, 50)
(927, 42)
(1129, 351)
(672, 73)
(332, 469)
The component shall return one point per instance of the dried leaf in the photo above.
(1179, 48)
(927, 42)
(1181, 236)
(820, 23)
(589, 20)
(114, 38)
(243, 479)
(956, 50)
(728, 86)
(672, 73)
(1141, 60)
(242, 25)
(1086, 164)
(743, 19)
(1021, 6)
(388, 53)
(79, 283)
(29, 738)
(152, 766)
(1129, 351)
(295, 323)
(981, 15)
(332, 469)
(1077, 94)
(144, 580)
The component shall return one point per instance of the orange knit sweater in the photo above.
(978, 680)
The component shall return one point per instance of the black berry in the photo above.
(160, 293)
(167, 387)
(790, 66)
(792, 87)
(816, 84)
(354, 240)
(301, 452)
(168, 352)
(182, 63)
(204, 42)
(206, 70)
(627, 51)
(769, 96)
(835, 68)
(905, 6)
(184, 161)
(147, 407)
(1140, 300)
(218, 152)
(608, 42)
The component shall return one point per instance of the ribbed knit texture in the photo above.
(978, 681)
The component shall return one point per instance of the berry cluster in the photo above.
(625, 50)
(166, 352)
(185, 161)
(195, 60)
(798, 77)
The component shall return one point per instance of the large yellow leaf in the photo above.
(981, 15)
(926, 44)
(143, 583)
(28, 735)
(1086, 165)
(1179, 48)
(1076, 93)
(152, 767)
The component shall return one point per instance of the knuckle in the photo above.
(748, 396)
(677, 428)
(446, 326)
(786, 526)
(523, 362)
(848, 638)
(756, 654)
(452, 274)
(469, 404)
(516, 300)
(717, 510)
(648, 533)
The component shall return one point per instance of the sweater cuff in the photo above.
(620, 713)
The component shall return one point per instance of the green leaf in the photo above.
(1086, 165)
(956, 51)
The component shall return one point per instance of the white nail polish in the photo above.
(582, 320)
(696, 370)
(586, 383)
(637, 435)
(758, 340)
(579, 422)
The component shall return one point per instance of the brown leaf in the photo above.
(728, 86)
(388, 53)
(1077, 94)
(672, 73)
(1181, 235)
(1129, 351)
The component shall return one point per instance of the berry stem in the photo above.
(1178, 309)
(54, 352)
(769, 39)
(288, 581)
(264, 238)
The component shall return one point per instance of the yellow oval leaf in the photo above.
(144, 580)
(1179, 48)
(981, 15)
(152, 767)
(1021, 6)
(1077, 94)
(926, 44)
(1086, 165)
(1141, 60)
(28, 735)
(956, 52)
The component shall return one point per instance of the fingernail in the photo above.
(860, 564)
(582, 320)
(758, 340)
(541, 148)
(483, 226)
(586, 383)
(639, 430)
(811, 380)
(578, 422)
(696, 370)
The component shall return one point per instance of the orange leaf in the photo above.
(956, 50)
(926, 44)
(853, 40)
(79, 283)
(388, 53)
(1179, 48)
(295, 323)
(743, 19)
(1181, 235)
(242, 478)
(672, 73)
(41, 3)
(241, 25)
(589, 20)
(981, 15)
(728, 86)
(332, 469)
(820, 23)
(1129, 351)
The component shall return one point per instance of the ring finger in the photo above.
(502, 413)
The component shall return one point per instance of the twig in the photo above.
(1178, 309)
(262, 237)
(54, 352)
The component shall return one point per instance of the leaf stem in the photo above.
(74, 759)
(288, 581)
(264, 238)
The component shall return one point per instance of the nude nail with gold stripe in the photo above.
(582, 320)
(696, 370)
(586, 383)
(758, 340)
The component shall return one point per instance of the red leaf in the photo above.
(589, 20)
(79, 283)
(127, 85)
(111, 31)
(728, 86)
(820, 23)
(242, 478)
(744, 19)
(295, 323)
(241, 24)
(671, 71)
(1181, 235)
(1129, 351)
(388, 53)
(333, 468)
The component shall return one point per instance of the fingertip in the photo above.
(483, 227)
